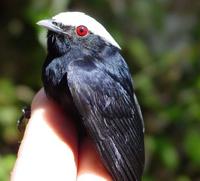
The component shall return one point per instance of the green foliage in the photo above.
(6, 163)
(192, 145)
(160, 40)
(168, 154)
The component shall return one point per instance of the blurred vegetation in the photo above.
(160, 39)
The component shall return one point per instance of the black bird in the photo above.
(84, 68)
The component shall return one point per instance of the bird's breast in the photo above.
(54, 77)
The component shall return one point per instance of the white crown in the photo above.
(79, 18)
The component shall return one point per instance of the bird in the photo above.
(84, 71)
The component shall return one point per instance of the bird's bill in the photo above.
(48, 24)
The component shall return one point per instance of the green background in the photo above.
(160, 40)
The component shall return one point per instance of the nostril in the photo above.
(55, 23)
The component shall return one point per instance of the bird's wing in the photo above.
(111, 116)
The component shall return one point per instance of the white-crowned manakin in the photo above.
(85, 71)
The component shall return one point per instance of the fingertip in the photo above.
(39, 99)
(90, 165)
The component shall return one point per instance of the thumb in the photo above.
(49, 148)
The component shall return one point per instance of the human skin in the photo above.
(49, 148)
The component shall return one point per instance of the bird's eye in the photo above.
(82, 30)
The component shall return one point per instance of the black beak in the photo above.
(48, 24)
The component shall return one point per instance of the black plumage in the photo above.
(88, 75)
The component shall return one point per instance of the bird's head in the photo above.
(75, 29)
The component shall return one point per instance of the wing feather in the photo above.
(111, 116)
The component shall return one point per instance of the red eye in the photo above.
(81, 30)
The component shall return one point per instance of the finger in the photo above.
(90, 166)
(49, 148)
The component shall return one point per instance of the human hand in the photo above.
(49, 149)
